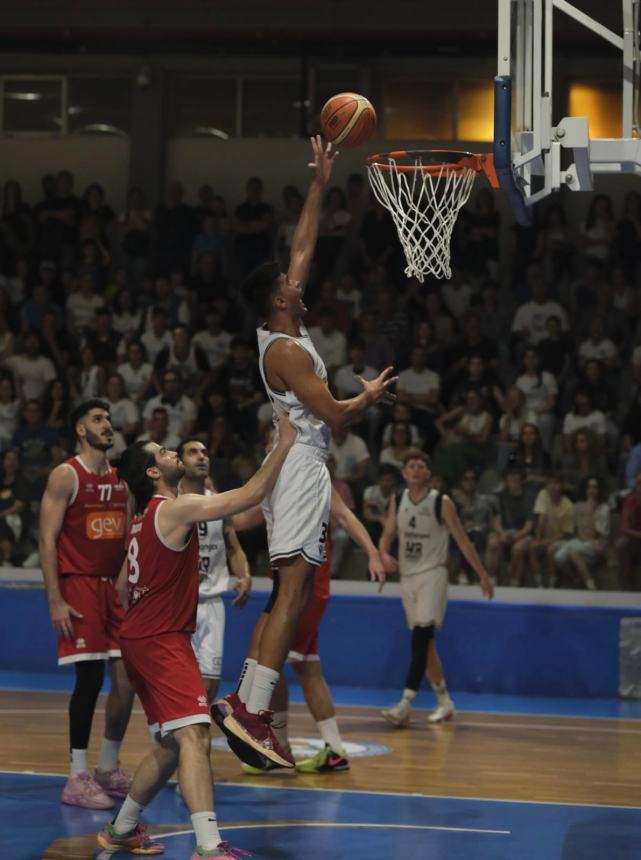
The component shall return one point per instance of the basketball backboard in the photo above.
(536, 153)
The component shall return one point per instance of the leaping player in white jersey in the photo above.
(218, 549)
(297, 510)
(422, 521)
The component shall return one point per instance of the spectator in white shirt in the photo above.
(530, 318)
(541, 391)
(418, 386)
(188, 359)
(400, 443)
(598, 346)
(158, 430)
(344, 381)
(158, 336)
(124, 412)
(83, 304)
(376, 499)
(180, 408)
(214, 340)
(31, 369)
(349, 292)
(136, 373)
(584, 416)
(127, 318)
(351, 456)
(457, 294)
(401, 412)
(329, 341)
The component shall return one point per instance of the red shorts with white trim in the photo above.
(96, 634)
(164, 672)
(305, 644)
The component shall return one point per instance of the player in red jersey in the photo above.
(161, 578)
(82, 546)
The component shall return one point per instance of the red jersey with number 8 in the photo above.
(92, 538)
(163, 581)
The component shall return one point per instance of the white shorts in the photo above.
(424, 597)
(297, 509)
(207, 641)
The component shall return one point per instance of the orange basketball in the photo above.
(348, 119)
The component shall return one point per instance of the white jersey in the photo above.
(423, 541)
(311, 430)
(214, 573)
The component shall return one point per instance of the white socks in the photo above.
(246, 679)
(79, 762)
(262, 688)
(206, 829)
(442, 695)
(329, 732)
(109, 754)
(279, 728)
(409, 695)
(128, 816)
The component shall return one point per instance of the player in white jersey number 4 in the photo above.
(297, 509)
(422, 521)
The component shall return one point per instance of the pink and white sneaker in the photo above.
(223, 851)
(114, 782)
(134, 842)
(83, 790)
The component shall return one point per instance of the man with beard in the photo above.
(159, 584)
(83, 519)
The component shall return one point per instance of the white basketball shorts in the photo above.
(297, 509)
(424, 597)
(207, 641)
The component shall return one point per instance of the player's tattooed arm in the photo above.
(238, 564)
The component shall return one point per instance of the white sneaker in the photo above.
(399, 715)
(442, 712)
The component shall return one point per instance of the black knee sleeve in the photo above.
(421, 637)
(274, 595)
(89, 677)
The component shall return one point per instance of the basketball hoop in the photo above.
(424, 191)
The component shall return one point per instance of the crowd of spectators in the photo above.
(521, 376)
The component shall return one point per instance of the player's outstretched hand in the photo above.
(379, 387)
(389, 562)
(487, 588)
(61, 614)
(243, 587)
(287, 433)
(377, 570)
(323, 161)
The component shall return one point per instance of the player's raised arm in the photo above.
(455, 526)
(387, 537)
(306, 233)
(57, 495)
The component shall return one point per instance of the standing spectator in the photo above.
(136, 373)
(38, 447)
(376, 500)
(328, 340)
(214, 340)
(180, 408)
(628, 544)
(477, 512)
(466, 431)
(173, 228)
(541, 390)
(57, 217)
(592, 518)
(530, 317)
(554, 524)
(31, 369)
(10, 407)
(352, 459)
(400, 443)
(134, 229)
(531, 459)
(333, 229)
(83, 304)
(122, 411)
(158, 336)
(599, 230)
(158, 430)
(96, 216)
(511, 422)
(554, 248)
(252, 229)
(18, 231)
(207, 281)
(512, 527)
(583, 416)
(187, 359)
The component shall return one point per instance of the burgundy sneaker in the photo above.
(220, 710)
(256, 730)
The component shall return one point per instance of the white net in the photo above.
(424, 200)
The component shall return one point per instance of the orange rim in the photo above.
(446, 160)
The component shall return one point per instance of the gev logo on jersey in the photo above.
(105, 525)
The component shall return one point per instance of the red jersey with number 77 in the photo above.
(92, 538)
(163, 581)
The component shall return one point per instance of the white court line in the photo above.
(345, 825)
(519, 726)
(377, 793)
(502, 713)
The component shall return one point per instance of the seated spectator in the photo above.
(38, 448)
(123, 411)
(136, 373)
(186, 358)
(598, 346)
(599, 229)
(555, 349)
(330, 343)
(457, 294)
(328, 300)
(40, 304)
(466, 431)
(334, 225)
(531, 459)
(10, 408)
(631, 424)
(7, 338)
(347, 385)
(628, 239)
(127, 316)
(252, 229)
(473, 343)
(134, 231)
(83, 304)
(494, 314)
(511, 422)
(224, 446)
(379, 352)
(352, 458)
(207, 282)
(400, 443)
(554, 248)
(348, 293)
(477, 513)
(530, 317)
(180, 409)
(376, 500)
(158, 430)
(628, 545)
(475, 375)
(241, 382)
(13, 505)
(541, 390)
(56, 406)
(174, 226)
(424, 337)
(420, 388)
(156, 338)
(554, 524)
(214, 340)
(632, 466)
(85, 380)
(624, 297)
(578, 556)
(210, 240)
(583, 416)
(31, 369)
(103, 340)
(583, 459)
(603, 390)
(401, 412)
(512, 527)
(96, 216)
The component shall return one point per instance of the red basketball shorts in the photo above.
(164, 672)
(95, 635)
(305, 644)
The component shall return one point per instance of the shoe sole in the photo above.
(324, 770)
(124, 849)
(440, 719)
(239, 732)
(398, 724)
(245, 752)
(85, 805)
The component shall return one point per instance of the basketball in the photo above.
(348, 119)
